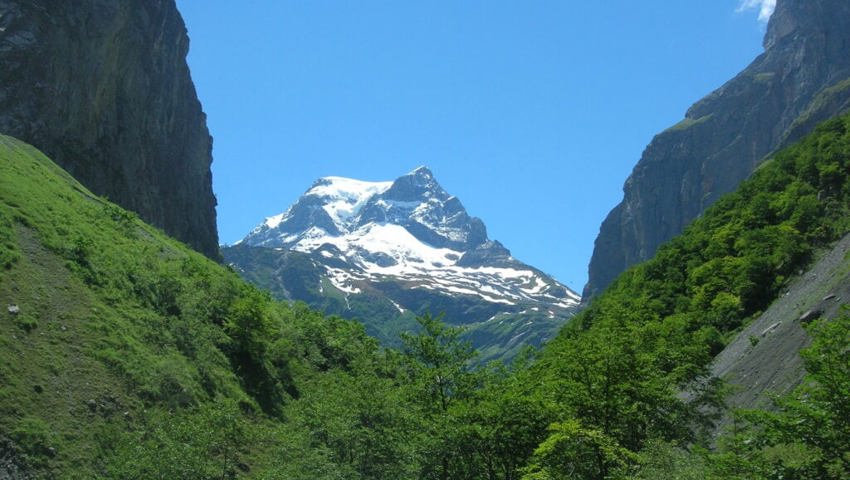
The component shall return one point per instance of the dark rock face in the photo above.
(491, 252)
(102, 87)
(308, 212)
(801, 79)
(456, 229)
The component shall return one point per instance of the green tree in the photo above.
(205, 443)
(440, 374)
(573, 451)
(250, 330)
(439, 363)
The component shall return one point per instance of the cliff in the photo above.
(802, 78)
(103, 88)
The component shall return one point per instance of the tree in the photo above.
(574, 451)
(203, 443)
(440, 374)
(439, 363)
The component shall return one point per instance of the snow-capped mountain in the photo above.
(385, 251)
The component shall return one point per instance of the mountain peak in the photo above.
(418, 185)
(334, 207)
(421, 171)
(806, 18)
(376, 250)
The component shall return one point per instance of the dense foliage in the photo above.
(133, 357)
(616, 371)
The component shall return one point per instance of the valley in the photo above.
(375, 330)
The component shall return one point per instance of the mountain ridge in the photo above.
(799, 81)
(408, 245)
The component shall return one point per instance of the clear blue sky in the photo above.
(532, 112)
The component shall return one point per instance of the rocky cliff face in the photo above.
(102, 87)
(801, 79)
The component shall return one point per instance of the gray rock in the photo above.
(770, 329)
(12, 467)
(102, 87)
(772, 366)
(810, 315)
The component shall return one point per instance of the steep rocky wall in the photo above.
(103, 88)
(800, 80)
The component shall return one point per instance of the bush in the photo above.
(34, 442)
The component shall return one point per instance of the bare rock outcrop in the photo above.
(103, 88)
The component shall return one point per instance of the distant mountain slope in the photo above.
(384, 251)
(802, 78)
(104, 89)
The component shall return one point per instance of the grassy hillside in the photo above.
(132, 357)
(129, 350)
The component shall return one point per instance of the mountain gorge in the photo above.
(801, 79)
(104, 89)
(384, 252)
(126, 354)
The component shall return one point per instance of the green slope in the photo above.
(133, 357)
(108, 324)
(129, 348)
(618, 368)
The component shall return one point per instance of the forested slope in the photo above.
(618, 367)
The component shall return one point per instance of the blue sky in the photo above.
(533, 113)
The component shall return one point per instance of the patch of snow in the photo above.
(274, 221)
(342, 281)
(397, 306)
(344, 197)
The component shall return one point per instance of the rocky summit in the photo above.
(801, 79)
(384, 252)
(104, 89)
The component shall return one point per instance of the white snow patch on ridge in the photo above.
(273, 222)
(426, 267)
(345, 197)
